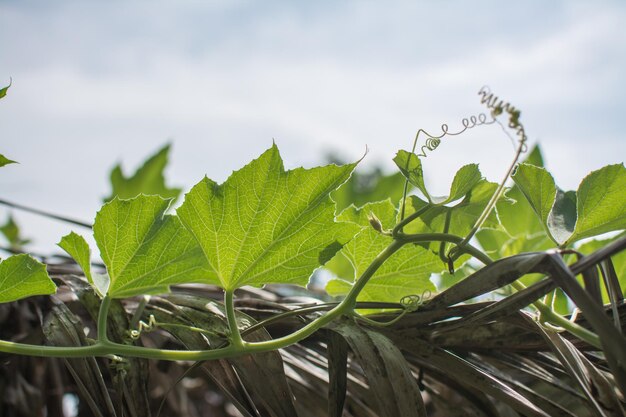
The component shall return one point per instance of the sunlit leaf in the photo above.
(148, 179)
(601, 202)
(267, 225)
(368, 188)
(464, 180)
(22, 276)
(76, 246)
(411, 167)
(538, 186)
(5, 161)
(520, 229)
(3, 90)
(407, 272)
(145, 251)
(463, 214)
(599, 205)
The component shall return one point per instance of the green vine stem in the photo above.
(103, 314)
(104, 347)
(233, 327)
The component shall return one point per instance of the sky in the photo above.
(96, 83)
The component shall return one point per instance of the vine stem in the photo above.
(235, 335)
(103, 314)
(104, 347)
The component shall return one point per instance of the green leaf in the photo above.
(5, 161)
(599, 205)
(538, 187)
(464, 214)
(562, 217)
(411, 167)
(76, 246)
(464, 180)
(148, 179)
(22, 276)
(535, 157)
(407, 272)
(267, 225)
(3, 91)
(520, 229)
(361, 189)
(11, 232)
(601, 202)
(144, 250)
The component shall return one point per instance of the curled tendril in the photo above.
(497, 107)
(143, 327)
(433, 141)
(412, 302)
(409, 303)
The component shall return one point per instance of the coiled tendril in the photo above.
(497, 107)
(409, 303)
(412, 302)
(432, 141)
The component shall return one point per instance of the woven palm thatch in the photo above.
(454, 356)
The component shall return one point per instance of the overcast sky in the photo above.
(96, 83)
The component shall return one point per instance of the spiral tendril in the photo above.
(433, 141)
(412, 302)
(497, 107)
(143, 327)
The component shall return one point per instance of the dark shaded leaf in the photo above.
(612, 340)
(130, 376)
(337, 373)
(562, 217)
(386, 370)
(63, 328)
(261, 374)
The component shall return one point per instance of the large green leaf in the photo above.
(144, 250)
(407, 272)
(148, 179)
(267, 225)
(5, 161)
(601, 202)
(22, 276)
(464, 180)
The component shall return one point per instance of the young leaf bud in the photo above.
(375, 222)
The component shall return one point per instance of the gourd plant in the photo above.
(266, 225)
